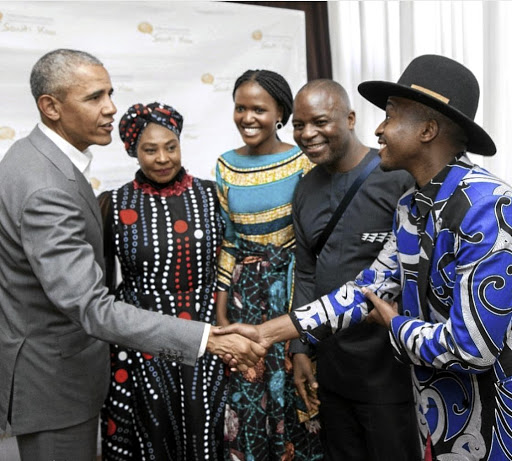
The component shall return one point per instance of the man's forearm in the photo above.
(265, 334)
(277, 330)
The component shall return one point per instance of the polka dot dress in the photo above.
(167, 243)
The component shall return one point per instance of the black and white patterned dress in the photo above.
(167, 240)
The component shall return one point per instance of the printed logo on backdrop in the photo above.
(273, 41)
(27, 24)
(145, 28)
(223, 83)
(7, 138)
(165, 33)
(123, 82)
(207, 78)
(7, 133)
(95, 183)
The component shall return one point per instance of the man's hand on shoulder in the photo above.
(383, 312)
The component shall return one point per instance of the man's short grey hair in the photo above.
(53, 73)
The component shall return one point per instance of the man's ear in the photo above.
(429, 131)
(49, 106)
(351, 120)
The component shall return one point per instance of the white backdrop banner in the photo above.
(185, 54)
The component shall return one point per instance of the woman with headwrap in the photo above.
(255, 184)
(165, 229)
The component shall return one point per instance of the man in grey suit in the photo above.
(55, 313)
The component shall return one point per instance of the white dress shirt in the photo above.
(82, 160)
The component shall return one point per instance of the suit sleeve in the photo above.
(54, 240)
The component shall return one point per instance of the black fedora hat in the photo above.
(442, 84)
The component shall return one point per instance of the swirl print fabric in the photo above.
(459, 342)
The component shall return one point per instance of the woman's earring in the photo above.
(279, 125)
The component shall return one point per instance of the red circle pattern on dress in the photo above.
(184, 315)
(180, 226)
(111, 427)
(128, 217)
(121, 375)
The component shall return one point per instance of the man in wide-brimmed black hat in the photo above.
(449, 261)
(453, 241)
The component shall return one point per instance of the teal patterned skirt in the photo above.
(261, 422)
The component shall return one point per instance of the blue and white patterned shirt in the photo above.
(460, 341)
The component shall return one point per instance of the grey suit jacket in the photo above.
(55, 312)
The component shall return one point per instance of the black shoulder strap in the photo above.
(344, 203)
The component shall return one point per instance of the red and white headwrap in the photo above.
(137, 117)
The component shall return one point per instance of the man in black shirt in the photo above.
(366, 406)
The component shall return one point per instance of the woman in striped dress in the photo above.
(255, 185)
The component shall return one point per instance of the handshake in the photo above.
(241, 345)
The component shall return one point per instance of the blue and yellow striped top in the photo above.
(255, 194)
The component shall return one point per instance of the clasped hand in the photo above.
(251, 333)
(383, 313)
(239, 351)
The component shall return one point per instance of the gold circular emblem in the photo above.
(207, 78)
(6, 132)
(145, 28)
(257, 35)
(95, 183)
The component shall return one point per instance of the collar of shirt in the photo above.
(82, 160)
(426, 196)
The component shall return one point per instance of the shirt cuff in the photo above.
(304, 335)
(204, 341)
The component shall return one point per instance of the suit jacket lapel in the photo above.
(87, 193)
(62, 162)
(43, 144)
